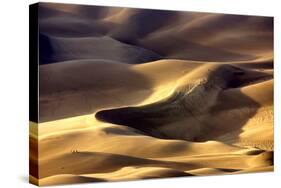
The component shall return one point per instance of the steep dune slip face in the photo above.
(186, 112)
(130, 94)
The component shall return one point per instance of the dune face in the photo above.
(189, 107)
(128, 94)
(58, 49)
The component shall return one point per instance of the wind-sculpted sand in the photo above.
(130, 94)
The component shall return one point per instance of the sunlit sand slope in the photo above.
(131, 94)
(165, 124)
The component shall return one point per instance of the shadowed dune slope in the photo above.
(57, 49)
(170, 34)
(194, 102)
(130, 94)
(183, 113)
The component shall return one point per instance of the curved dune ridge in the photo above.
(130, 94)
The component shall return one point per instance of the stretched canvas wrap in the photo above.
(126, 94)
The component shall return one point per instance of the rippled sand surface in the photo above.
(130, 94)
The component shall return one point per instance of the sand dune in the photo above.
(65, 48)
(190, 36)
(159, 158)
(167, 98)
(130, 94)
(190, 104)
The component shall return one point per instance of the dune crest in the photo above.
(181, 115)
(130, 94)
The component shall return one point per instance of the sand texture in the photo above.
(130, 94)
